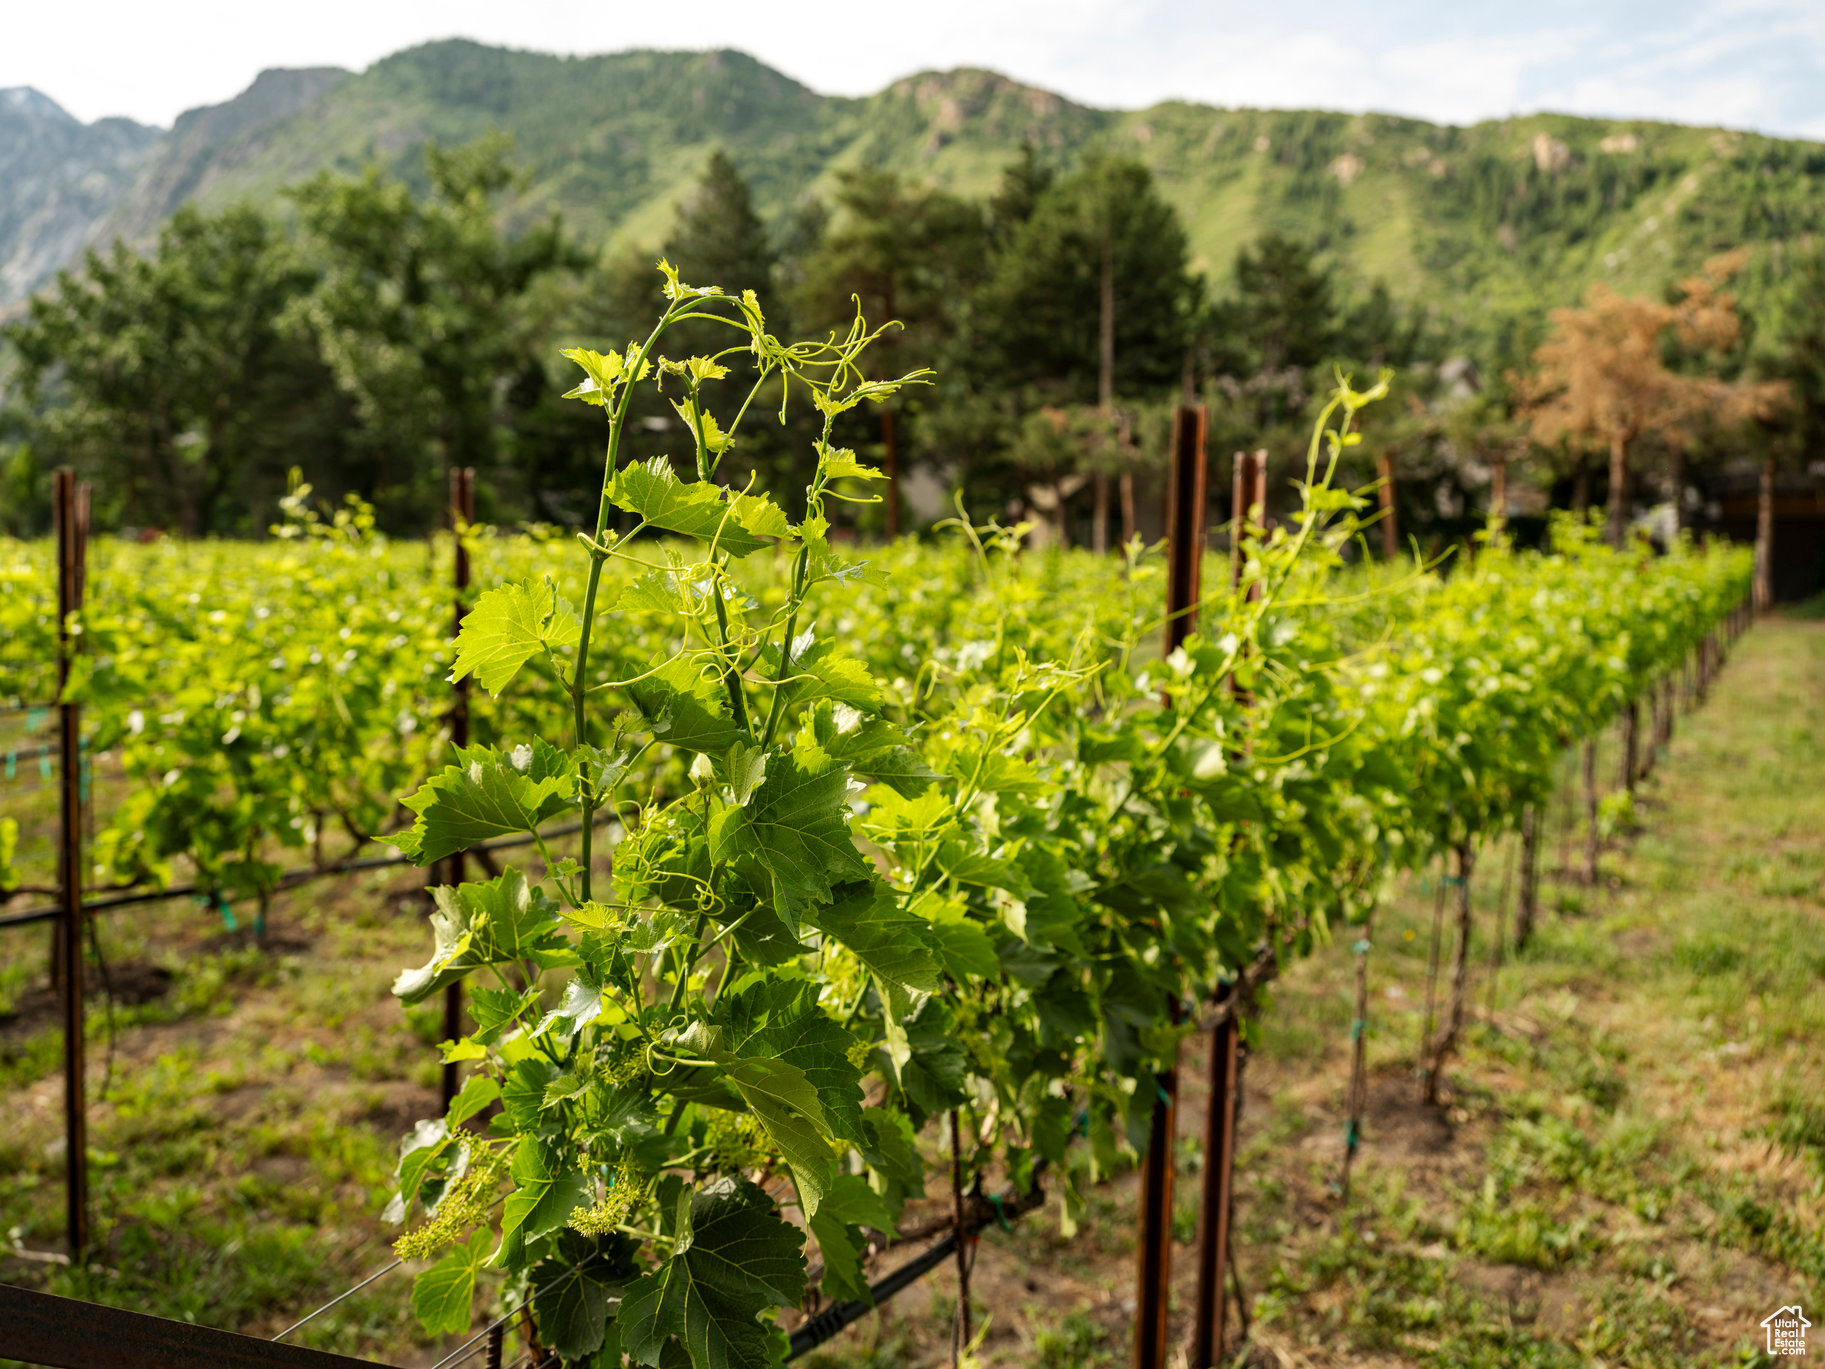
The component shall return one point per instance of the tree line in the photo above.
(372, 339)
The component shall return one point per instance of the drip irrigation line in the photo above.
(291, 879)
(338, 1298)
(824, 1325)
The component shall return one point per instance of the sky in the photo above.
(1752, 64)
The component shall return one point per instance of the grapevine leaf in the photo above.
(579, 1006)
(495, 1009)
(603, 372)
(452, 956)
(894, 944)
(796, 825)
(485, 923)
(507, 627)
(444, 1294)
(740, 1261)
(573, 1289)
(962, 945)
(652, 491)
(546, 1191)
(523, 1092)
(781, 1020)
(478, 1092)
(893, 1159)
(658, 591)
(714, 439)
(840, 463)
(850, 1205)
(787, 1105)
(814, 670)
(417, 1152)
(486, 793)
(687, 707)
(935, 1077)
(873, 748)
(746, 766)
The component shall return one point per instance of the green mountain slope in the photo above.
(1487, 223)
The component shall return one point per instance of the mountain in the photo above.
(1487, 223)
(61, 177)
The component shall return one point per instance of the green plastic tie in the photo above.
(44, 765)
(1356, 1030)
(1083, 1122)
(12, 764)
(1160, 1089)
(1351, 1137)
(34, 719)
(1361, 947)
(227, 912)
(1000, 1216)
(1454, 879)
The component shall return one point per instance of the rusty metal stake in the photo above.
(72, 510)
(1248, 500)
(1187, 492)
(462, 514)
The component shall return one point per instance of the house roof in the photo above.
(1787, 1314)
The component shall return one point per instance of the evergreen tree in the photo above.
(1092, 295)
(165, 379)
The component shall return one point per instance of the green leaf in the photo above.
(789, 1109)
(839, 463)
(653, 491)
(603, 373)
(546, 1191)
(417, 1151)
(892, 943)
(452, 956)
(507, 627)
(936, 1076)
(579, 1006)
(741, 1261)
(478, 1092)
(443, 1295)
(686, 705)
(816, 671)
(872, 748)
(487, 923)
(746, 766)
(486, 793)
(573, 1289)
(850, 1205)
(796, 826)
(962, 945)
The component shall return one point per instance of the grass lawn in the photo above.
(1628, 1169)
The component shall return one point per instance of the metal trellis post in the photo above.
(462, 514)
(72, 515)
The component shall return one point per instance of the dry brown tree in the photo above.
(1602, 376)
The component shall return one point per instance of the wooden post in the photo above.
(1528, 909)
(1764, 538)
(72, 515)
(1590, 812)
(1390, 524)
(1248, 502)
(1460, 973)
(1186, 495)
(462, 514)
(1631, 744)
